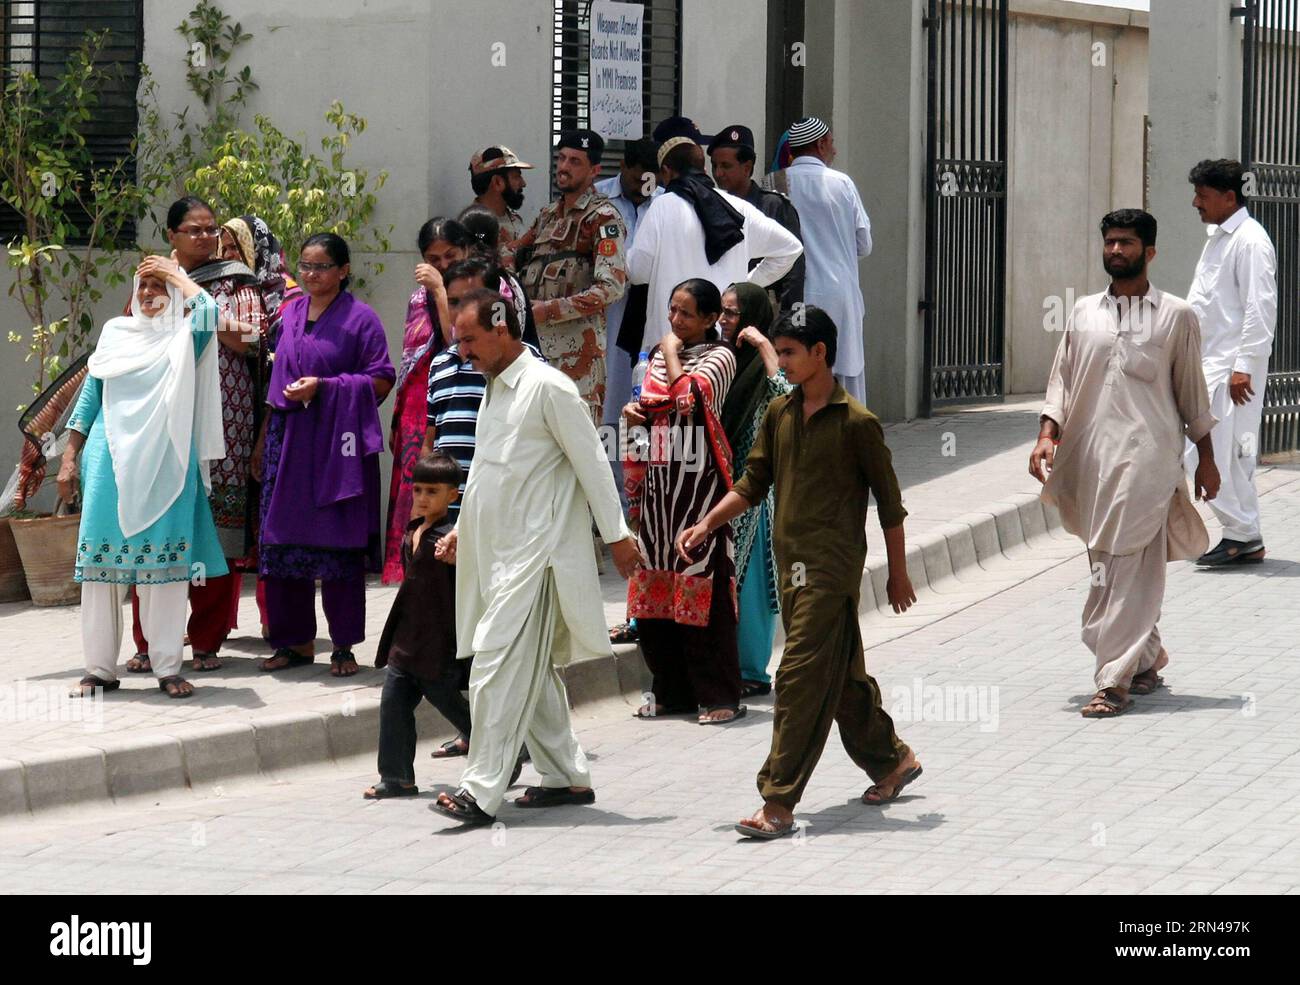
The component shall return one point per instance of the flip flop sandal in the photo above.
(907, 778)
(762, 834)
(1116, 707)
(463, 809)
(90, 680)
(142, 664)
(201, 657)
(451, 749)
(383, 790)
(294, 658)
(338, 658)
(625, 633)
(739, 714)
(755, 689)
(554, 797)
(174, 680)
(1143, 684)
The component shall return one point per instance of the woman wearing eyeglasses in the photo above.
(318, 461)
(195, 238)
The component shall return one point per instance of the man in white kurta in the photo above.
(1125, 391)
(1234, 295)
(527, 593)
(836, 232)
(670, 248)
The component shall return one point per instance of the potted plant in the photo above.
(74, 213)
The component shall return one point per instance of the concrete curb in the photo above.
(203, 756)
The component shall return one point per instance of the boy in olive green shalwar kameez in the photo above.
(825, 454)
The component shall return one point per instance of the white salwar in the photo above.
(1234, 295)
(669, 249)
(163, 614)
(527, 593)
(836, 232)
(1126, 389)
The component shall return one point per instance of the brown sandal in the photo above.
(1104, 705)
(176, 686)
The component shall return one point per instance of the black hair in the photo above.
(480, 182)
(475, 268)
(642, 154)
(1225, 175)
(492, 310)
(744, 154)
(446, 229)
(484, 229)
(1143, 223)
(183, 207)
(437, 468)
(335, 247)
(684, 157)
(808, 325)
(708, 299)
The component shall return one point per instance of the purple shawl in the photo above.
(330, 448)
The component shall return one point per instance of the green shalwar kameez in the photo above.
(823, 472)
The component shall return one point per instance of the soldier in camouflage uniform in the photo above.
(571, 264)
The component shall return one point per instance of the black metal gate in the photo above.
(966, 202)
(1270, 152)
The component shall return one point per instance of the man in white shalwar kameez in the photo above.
(1126, 389)
(836, 233)
(527, 594)
(1234, 295)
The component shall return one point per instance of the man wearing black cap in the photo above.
(571, 264)
(733, 157)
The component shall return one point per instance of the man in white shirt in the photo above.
(1125, 392)
(631, 191)
(527, 593)
(836, 232)
(1234, 294)
(696, 230)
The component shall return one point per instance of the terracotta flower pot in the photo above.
(48, 547)
(13, 586)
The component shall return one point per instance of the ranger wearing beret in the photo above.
(571, 264)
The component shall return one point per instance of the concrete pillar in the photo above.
(1195, 100)
(878, 95)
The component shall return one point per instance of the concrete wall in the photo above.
(724, 64)
(1077, 98)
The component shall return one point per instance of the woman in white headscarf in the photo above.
(143, 435)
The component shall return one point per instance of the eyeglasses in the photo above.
(731, 312)
(199, 232)
(315, 268)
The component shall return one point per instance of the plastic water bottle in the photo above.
(639, 372)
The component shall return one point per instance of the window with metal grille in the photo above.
(39, 35)
(661, 81)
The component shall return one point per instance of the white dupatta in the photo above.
(156, 400)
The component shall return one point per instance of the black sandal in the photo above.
(451, 748)
(294, 658)
(200, 659)
(383, 790)
(754, 689)
(143, 665)
(91, 681)
(175, 680)
(554, 797)
(463, 808)
(338, 658)
(624, 633)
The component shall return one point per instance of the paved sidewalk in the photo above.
(1197, 790)
(975, 530)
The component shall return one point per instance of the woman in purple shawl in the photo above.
(318, 461)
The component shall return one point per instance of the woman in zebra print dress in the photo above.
(685, 611)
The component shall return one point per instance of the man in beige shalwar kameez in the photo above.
(527, 593)
(1125, 389)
